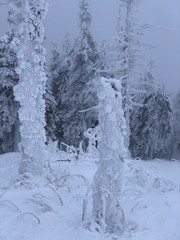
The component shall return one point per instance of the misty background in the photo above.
(63, 17)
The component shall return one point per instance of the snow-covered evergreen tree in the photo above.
(107, 211)
(122, 61)
(148, 79)
(78, 93)
(176, 128)
(59, 67)
(59, 75)
(142, 89)
(27, 18)
(143, 86)
(50, 115)
(54, 68)
(9, 122)
(152, 123)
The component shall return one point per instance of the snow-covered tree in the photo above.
(107, 54)
(59, 75)
(143, 86)
(125, 53)
(176, 128)
(141, 90)
(50, 115)
(107, 211)
(122, 61)
(9, 123)
(54, 68)
(78, 93)
(59, 67)
(148, 79)
(152, 125)
(27, 16)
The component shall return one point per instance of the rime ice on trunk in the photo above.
(126, 55)
(28, 42)
(107, 181)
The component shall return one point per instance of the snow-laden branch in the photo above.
(154, 26)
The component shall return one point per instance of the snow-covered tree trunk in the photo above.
(126, 44)
(107, 181)
(29, 92)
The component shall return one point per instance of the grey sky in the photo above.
(63, 17)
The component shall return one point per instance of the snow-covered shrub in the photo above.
(52, 146)
(92, 149)
(164, 185)
(72, 151)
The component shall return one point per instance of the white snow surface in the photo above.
(32, 209)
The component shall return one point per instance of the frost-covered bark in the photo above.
(126, 53)
(27, 18)
(107, 181)
(122, 58)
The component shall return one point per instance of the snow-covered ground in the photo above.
(34, 209)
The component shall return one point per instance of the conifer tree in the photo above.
(176, 128)
(153, 126)
(143, 87)
(50, 115)
(82, 67)
(9, 122)
(148, 79)
(59, 76)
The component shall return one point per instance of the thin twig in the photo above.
(13, 204)
(88, 109)
(32, 214)
(60, 199)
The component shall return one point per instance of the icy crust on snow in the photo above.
(28, 44)
(32, 209)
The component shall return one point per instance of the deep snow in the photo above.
(35, 209)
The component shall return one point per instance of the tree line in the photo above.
(70, 99)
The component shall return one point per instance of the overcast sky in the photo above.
(63, 17)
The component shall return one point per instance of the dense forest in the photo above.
(70, 88)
